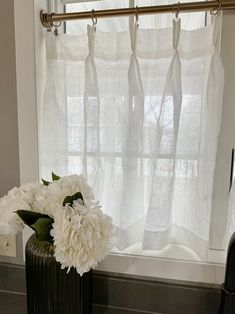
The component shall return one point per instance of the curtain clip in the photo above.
(56, 26)
(94, 19)
(217, 11)
(136, 17)
(177, 11)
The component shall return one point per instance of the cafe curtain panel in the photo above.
(138, 113)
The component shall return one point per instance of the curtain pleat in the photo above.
(91, 110)
(160, 209)
(132, 149)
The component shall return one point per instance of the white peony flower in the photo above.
(51, 197)
(82, 236)
(10, 222)
(17, 198)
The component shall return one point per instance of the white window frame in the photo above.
(27, 85)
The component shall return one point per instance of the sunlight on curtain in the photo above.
(139, 114)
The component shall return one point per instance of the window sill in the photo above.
(167, 264)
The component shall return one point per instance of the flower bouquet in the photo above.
(62, 212)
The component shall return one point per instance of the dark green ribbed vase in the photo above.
(51, 290)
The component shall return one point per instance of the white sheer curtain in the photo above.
(138, 113)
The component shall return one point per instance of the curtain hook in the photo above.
(217, 11)
(136, 16)
(93, 18)
(178, 10)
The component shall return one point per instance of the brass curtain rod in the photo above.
(48, 19)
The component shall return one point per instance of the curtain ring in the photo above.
(93, 18)
(178, 10)
(56, 25)
(217, 11)
(136, 16)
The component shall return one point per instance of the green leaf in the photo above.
(54, 177)
(40, 223)
(30, 217)
(45, 182)
(42, 227)
(69, 199)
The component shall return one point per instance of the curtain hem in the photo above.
(156, 240)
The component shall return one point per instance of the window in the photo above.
(165, 268)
